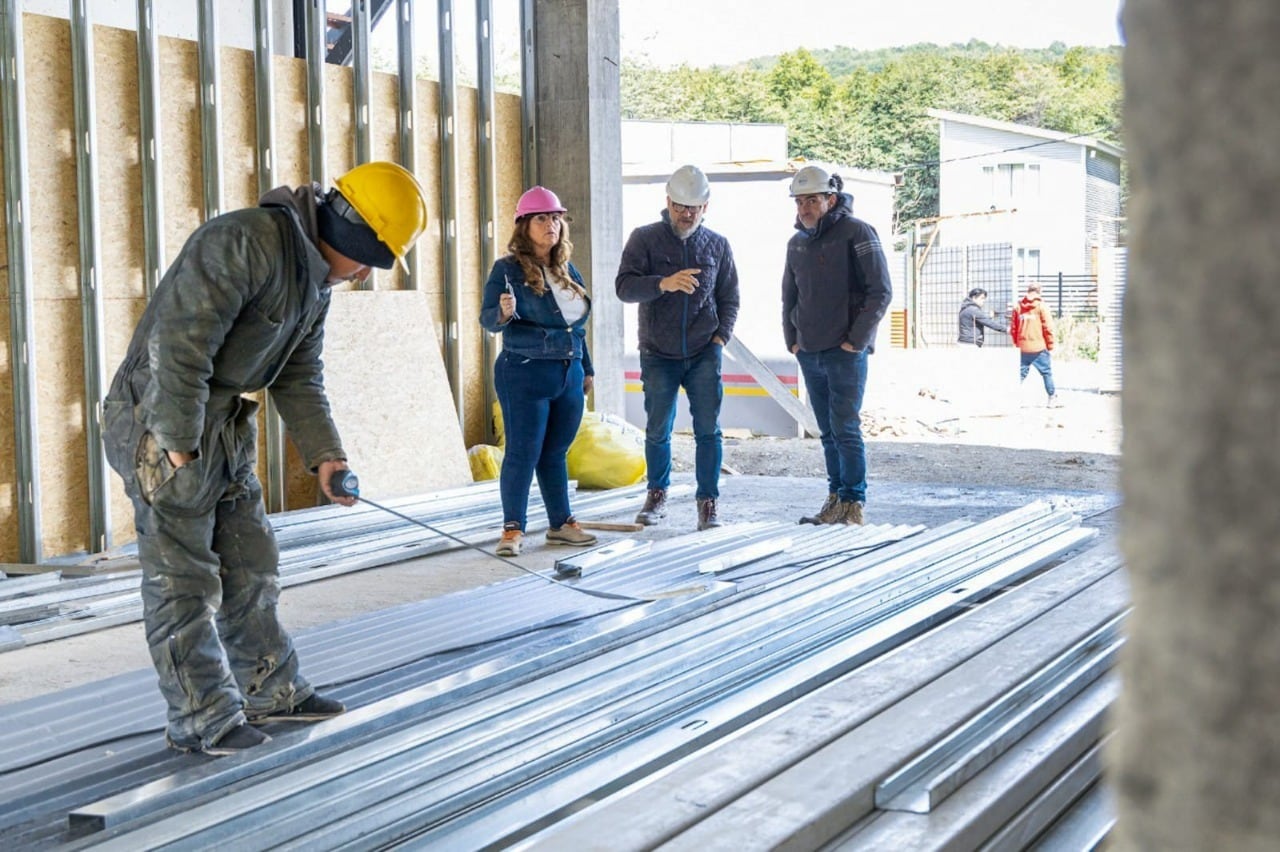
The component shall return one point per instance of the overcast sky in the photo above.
(711, 32)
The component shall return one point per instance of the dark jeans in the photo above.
(542, 404)
(835, 380)
(1039, 360)
(700, 378)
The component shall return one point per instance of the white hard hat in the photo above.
(688, 186)
(812, 180)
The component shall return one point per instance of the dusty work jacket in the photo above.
(679, 325)
(242, 308)
(835, 287)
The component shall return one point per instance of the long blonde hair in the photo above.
(523, 250)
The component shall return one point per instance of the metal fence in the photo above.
(1073, 296)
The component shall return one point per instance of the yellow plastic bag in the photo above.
(486, 462)
(607, 453)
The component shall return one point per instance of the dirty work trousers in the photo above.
(210, 584)
(700, 378)
(542, 404)
(835, 380)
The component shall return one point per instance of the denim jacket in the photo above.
(538, 329)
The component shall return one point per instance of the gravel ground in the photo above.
(923, 423)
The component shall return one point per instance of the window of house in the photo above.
(1012, 184)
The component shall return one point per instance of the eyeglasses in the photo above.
(685, 208)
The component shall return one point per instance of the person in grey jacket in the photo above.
(241, 309)
(683, 276)
(974, 319)
(835, 289)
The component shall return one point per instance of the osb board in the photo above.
(182, 184)
(238, 136)
(8, 482)
(386, 386)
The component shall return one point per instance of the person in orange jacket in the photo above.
(1031, 327)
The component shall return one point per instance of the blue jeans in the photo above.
(835, 380)
(1039, 360)
(542, 405)
(700, 378)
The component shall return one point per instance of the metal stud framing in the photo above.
(90, 263)
(315, 88)
(486, 171)
(210, 121)
(408, 126)
(529, 92)
(264, 98)
(26, 448)
(449, 207)
(149, 147)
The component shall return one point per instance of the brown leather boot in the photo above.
(707, 517)
(828, 513)
(655, 507)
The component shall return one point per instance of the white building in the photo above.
(1054, 196)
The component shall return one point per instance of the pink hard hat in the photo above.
(538, 200)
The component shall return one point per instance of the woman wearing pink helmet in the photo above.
(536, 298)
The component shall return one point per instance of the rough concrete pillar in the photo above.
(579, 143)
(1197, 762)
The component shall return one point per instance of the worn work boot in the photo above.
(655, 507)
(237, 739)
(511, 543)
(707, 517)
(828, 514)
(570, 534)
(314, 708)
(852, 513)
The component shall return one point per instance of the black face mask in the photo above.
(341, 227)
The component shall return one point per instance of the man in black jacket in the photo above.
(835, 289)
(242, 308)
(682, 274)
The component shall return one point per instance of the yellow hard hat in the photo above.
(390, 200)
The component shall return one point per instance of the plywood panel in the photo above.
(239, 132)
(180, 157)
(386, 384)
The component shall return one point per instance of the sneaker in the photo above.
(511, 543)
(655, 507)
(314, 708)
(852, 513)
(827, 514)
(570, 534)
(239, 738)
(707, 517)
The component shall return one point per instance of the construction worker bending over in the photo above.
(241, 309)
(537, 299)
(683, 276)
(835, 289)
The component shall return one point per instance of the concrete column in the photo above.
(579, 143)
(1197, 762)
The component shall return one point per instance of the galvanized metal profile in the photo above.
(508, 743)
(408, 129)
(149, 147)
(486, 185)
(936, 773)
(449, 207)
(361, 99)
(529, 90)
(91, 311)
(264, 91)
(317, 23)
(210, 121)
(26, 449)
